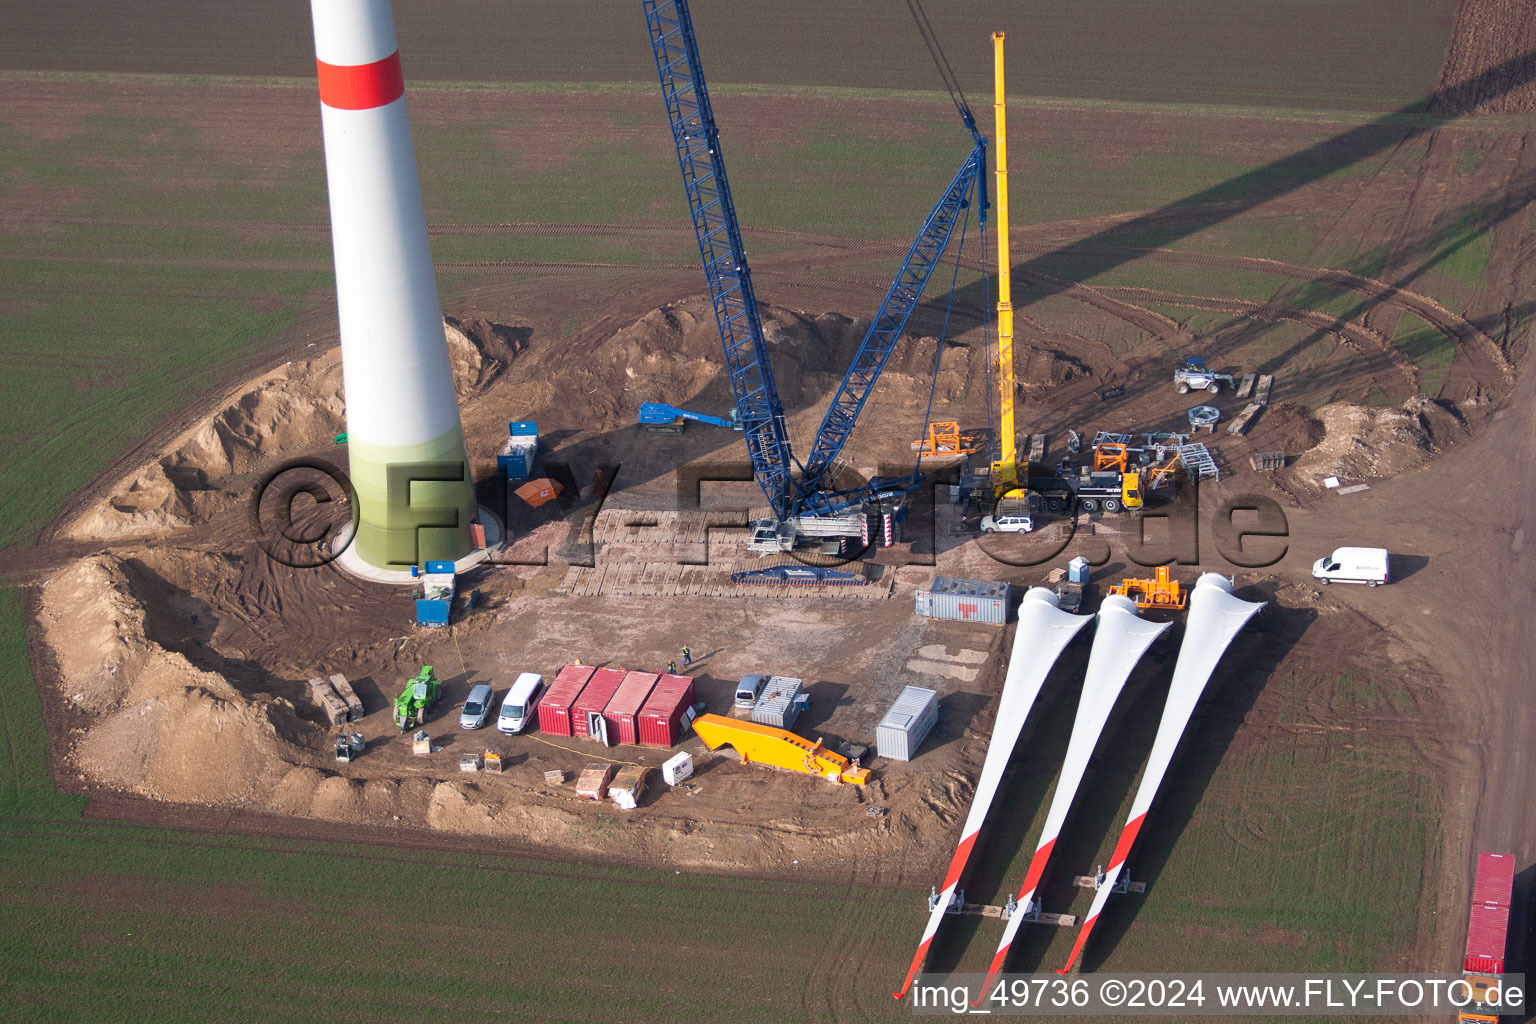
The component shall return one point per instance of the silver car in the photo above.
(477, 707)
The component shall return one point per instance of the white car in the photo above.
(1007, 524)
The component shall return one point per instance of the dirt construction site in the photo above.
(1354, 750)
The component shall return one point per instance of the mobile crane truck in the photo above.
(1093, 489)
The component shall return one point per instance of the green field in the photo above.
(1370, 54)
(120, 923)
(165, 231)
(1432, 351)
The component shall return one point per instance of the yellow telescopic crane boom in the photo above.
(1005, 471)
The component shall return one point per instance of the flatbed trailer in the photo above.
(1487, 933)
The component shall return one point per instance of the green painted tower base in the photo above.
(415, 502)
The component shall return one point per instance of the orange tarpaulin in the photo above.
(537, 492)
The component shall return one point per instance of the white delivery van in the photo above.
(518, 706)
(1353, 565)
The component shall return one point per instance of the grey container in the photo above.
(907, 723)
(776, 705)
(953, 597)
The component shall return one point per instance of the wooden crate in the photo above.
(333, 707)
(628, 786)
(348, 695)
(593, 781)
(1266, 461)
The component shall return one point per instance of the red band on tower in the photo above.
(361, 86)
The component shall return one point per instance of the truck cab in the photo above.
(1130, 489)
(1480, 1010)
(1108, 489)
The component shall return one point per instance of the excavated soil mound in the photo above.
(296, 406)
(1361, 443)
(672, 355)
(160, 727)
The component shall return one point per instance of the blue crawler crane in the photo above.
(811, 493)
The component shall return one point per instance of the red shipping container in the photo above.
(1488, 930)
(623, 711)
(667, 712)
(555, 708)
(605, 682)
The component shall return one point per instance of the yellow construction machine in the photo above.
(778, 748)
(944, 438)
(1162, 591)
(1005, 471)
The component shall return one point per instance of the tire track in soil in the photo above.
(105, 814)
(1361, 339)
(1161, 327)
(833, 981)
(1471, 340)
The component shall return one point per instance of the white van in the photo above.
(517, 708)
(1353, 565)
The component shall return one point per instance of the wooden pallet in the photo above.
(985, 910)
(1089, 882)
(348, 696)
(1261, 393)
(1245, 385)
(1036, 447)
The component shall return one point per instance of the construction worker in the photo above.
(671, 668)
(687, 656)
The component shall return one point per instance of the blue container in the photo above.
(1077, 570)
(430, 612)
(515, 461)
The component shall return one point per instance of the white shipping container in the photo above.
(776, 705)
(950, 597)
(907, 723)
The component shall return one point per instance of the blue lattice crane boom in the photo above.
(730, 283)
(816, 493)
(720, 246)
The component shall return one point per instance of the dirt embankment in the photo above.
(160, 727)
(1360, 443)
(295, 406)
(670, 354)
(132, 654)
